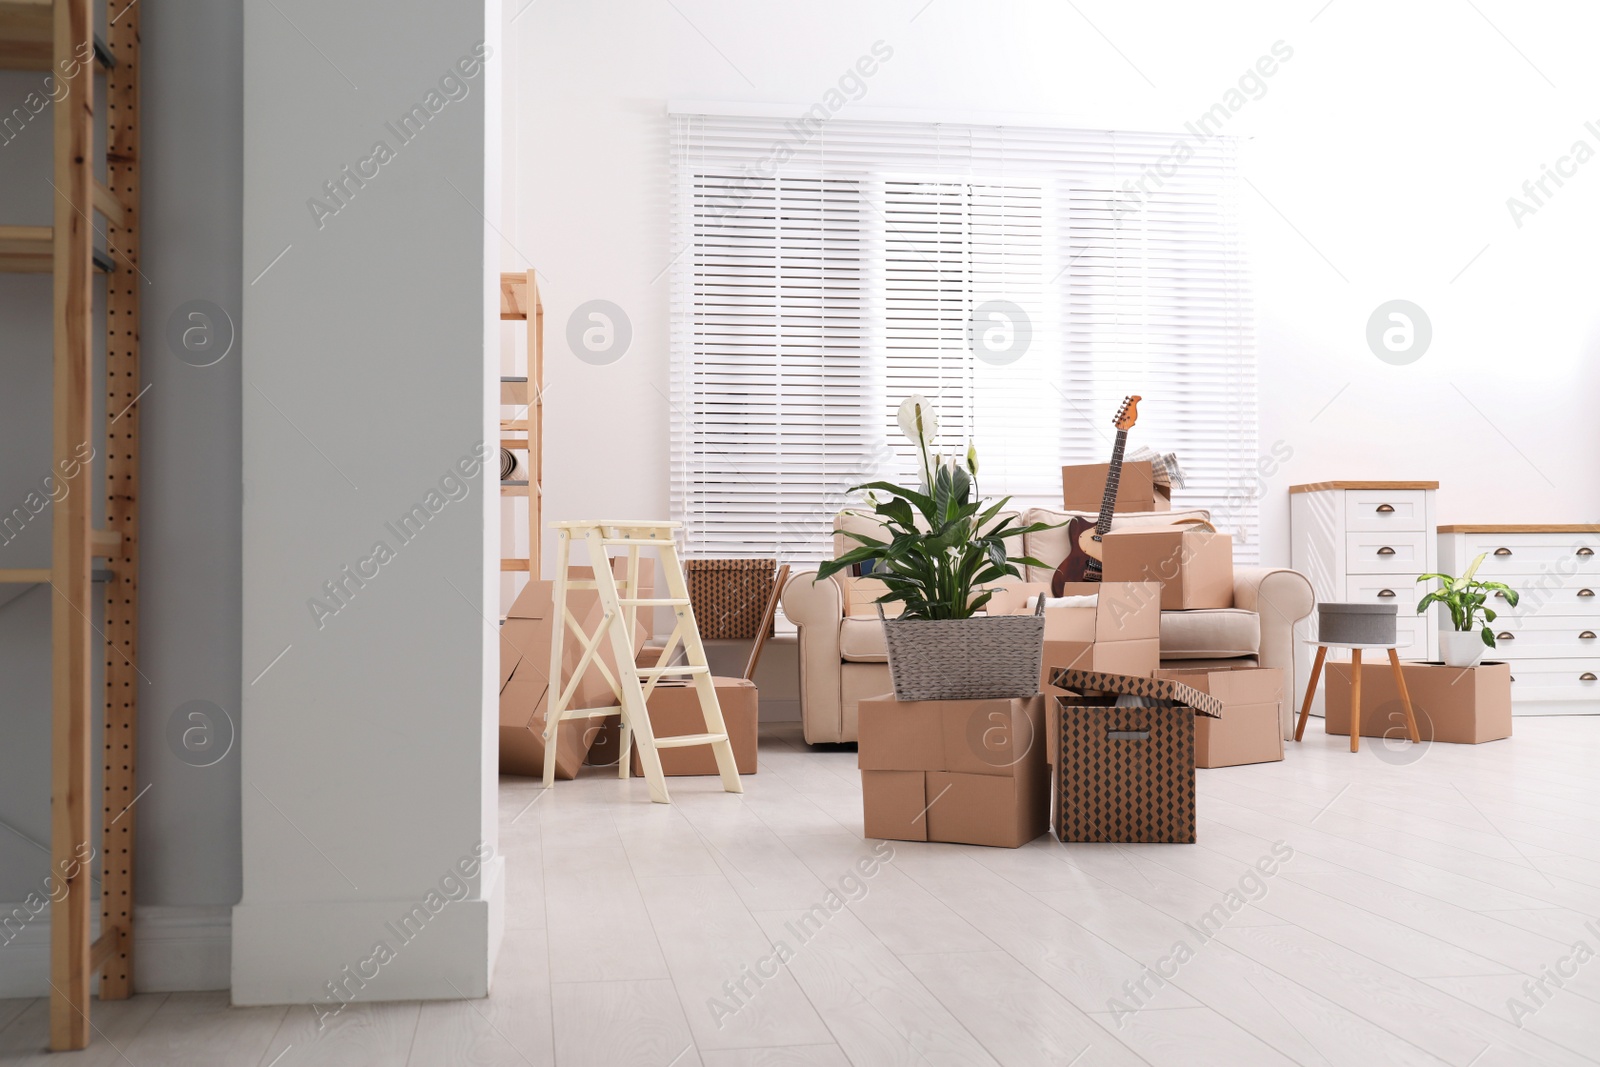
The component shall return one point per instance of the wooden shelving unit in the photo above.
(58, 36)
(519, 302)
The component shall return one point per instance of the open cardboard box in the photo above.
(1083, 487)
(1458, 705)
(1120, 634)
(970, 772)
(1125, 774)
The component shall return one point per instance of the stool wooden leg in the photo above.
(1311, 687)
(1405, 696)
(1355, 700)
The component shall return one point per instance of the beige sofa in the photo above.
(843, 660)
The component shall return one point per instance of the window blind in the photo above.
(1023, 279)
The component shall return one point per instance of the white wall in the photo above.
(369, 731)
(1389, 141)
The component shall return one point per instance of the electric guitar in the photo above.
(1083, 561)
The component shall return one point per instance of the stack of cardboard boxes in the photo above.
(979, 772)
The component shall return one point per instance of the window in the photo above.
(1025, 280)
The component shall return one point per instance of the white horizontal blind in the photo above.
(827, 270)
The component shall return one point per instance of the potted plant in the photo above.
(1462, 645)
(941, 544)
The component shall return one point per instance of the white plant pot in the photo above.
(1461, 648)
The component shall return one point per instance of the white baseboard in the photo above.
(294, 953)
(179, 948)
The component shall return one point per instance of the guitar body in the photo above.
(1083, 562)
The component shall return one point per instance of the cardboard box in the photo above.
(1250, 729)
(1126, 774)
(675, 709)
(1194, 567)
(1083, 488)
(525, 640)
(962, 771)
(894, 805)
(1121, 634)
(1456, 705)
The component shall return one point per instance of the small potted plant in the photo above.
(941, 544)
(1462, 645)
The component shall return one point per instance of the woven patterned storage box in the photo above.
(1126, 774)
(729, 596)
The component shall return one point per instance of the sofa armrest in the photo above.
(1282, 597)
(816, 608)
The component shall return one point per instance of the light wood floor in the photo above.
(1421, 895)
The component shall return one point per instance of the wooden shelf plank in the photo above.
(27, 249)
(25, 35)
(24, 575)
(31, 250)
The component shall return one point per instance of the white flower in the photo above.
(915, 409)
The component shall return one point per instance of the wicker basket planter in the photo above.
(982, 658)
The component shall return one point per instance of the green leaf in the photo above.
(920, 501)
(1467, 577)
(863, 538)
(898, 510)
(1488, 637)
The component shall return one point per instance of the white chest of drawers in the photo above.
(1365, 542)
(1552, 637)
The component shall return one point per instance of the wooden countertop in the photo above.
(1516, 528)
(1317, 487)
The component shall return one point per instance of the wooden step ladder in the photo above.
(632, 685)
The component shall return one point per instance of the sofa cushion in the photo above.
(1050, 547)
(1210, 633)
(861, 640)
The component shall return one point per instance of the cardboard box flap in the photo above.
(1125, 684)
(522, 699)
(536, 601)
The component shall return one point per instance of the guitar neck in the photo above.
(1108, 503)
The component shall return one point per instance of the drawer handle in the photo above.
(1502, 552)
(1385, 509)
(1502, 596)
(1586, 592)
(1513, 677)
(1386, 594)
(1385, 551)
(1587, 635)
(1507, 636)
(1585, 551)
(1587, 676)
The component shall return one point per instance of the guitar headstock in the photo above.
(1128, 413)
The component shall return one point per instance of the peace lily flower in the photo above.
(920, 424)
